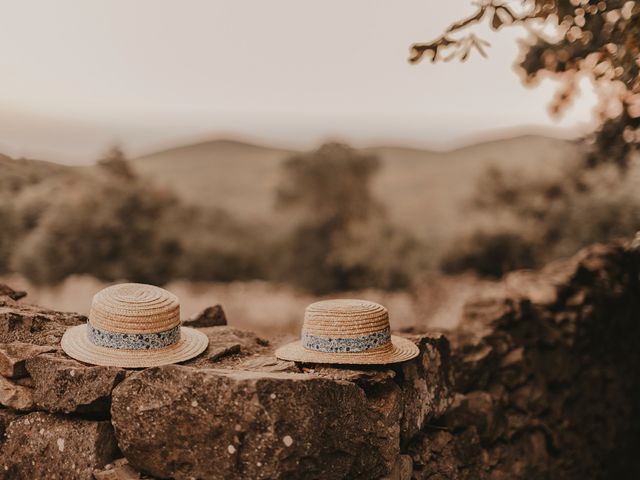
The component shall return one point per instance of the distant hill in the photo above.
(235, 176)
(18, 174)
(423, 190)
(429, 191)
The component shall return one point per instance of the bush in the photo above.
(215, 247)
(110, 229)
(341, 237)
(491, 254)
(549, 217)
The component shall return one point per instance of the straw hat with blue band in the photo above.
(133, 325)
(354, 332)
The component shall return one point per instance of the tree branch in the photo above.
(501, 15)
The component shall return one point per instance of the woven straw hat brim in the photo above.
(402, 350)
(76, 344)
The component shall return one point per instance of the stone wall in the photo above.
(546, 378)
(538, 383)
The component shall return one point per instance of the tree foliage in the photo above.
(341, 238)
(330, 185)
(545, 217)
(115, 162)
(113, 225)
(597, 38)
(491, 254)
(109, 229)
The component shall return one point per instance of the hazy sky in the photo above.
(78, 75)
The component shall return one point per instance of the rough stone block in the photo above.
(7, 291)
(14, 355)
(41, 445)
(34, 326)
(65, 385)
(118, 470)
(6, 417)
(477, 409)
(227, 345)
(15, 396)
(402, 470)
(209, 317)
(427, 386)
(181, 422)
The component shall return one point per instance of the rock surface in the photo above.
(65, 385)
(118, 470)
(13, 357)
(40, 445)
(15, 396)
(257, 425)
(33, 325)
(428, 385)
(7, 291)
(545, 378)
(228, 346)
(209, 317)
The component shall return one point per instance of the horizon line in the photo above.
(465, 141)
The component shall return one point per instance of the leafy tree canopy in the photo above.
(597, 38)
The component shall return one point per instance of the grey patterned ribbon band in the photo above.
(346, 345)
(133, 341)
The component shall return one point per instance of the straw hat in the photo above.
(353, 332)
(133, 325)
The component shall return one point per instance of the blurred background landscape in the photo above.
(323, 169)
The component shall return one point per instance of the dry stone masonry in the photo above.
(539, 383)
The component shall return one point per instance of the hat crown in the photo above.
(134, 308)
(345, 318)
(349, 332)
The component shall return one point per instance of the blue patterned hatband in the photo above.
(133, 341)
(346, 345)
